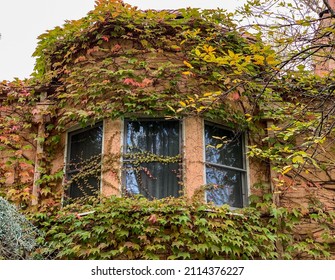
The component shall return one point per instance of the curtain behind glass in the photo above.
(145, 174)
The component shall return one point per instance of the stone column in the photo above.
(193, 155)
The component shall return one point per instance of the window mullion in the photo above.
(225, 166)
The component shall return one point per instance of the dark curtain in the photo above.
(143, 173)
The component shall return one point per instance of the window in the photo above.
(152, 161)
(225, 166)
(83, 168)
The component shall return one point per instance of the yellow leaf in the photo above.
(231, 54)
(271, 60)
(173, 110)
(201, 108)
(259, 59)
(298, 159)
(227, 81)
(249, 117)
(182, 103)
(197, 52)
(208, 94)
(176, 48)
(247, 59)
(190, 98)
(208, 49)
(188, 64)
(286, 169)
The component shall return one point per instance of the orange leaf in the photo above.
(153, 219)
(235, 96)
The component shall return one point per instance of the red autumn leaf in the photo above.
(92, 50)
(235, 96)
(105, 38)
(146, 82)
(115, 48)
(14, 128)
(153, 219)
(129, 81)
(80, 59)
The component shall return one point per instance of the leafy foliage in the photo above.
(136, 228)
(120, 62)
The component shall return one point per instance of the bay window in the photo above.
(152, 160)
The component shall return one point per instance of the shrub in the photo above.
(17, 234)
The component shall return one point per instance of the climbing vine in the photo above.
(136, 228)
(121, 62)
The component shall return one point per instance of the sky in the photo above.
(22, 21)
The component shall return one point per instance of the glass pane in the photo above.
(84, 161)
(230, 154)
(146, 174)
(84, 146)
(83, 185)
(156, 137)
(226, 186)
(153, 180)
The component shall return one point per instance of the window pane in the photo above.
(156, 137)
(84, 146)
(227, 186)
(84, 161)
(81, 186)
(153, 180)
(148, 143)
(230, 154)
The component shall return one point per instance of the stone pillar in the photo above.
(112, 157)
(193, 155)
(42, 109)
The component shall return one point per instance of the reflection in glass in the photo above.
(224, 166)
(152, 158)
(225, 186)
(230, 154)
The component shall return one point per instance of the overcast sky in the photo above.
(21, 21)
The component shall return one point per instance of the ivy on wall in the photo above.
(119, 62)
(136, 228)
